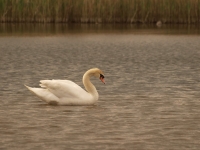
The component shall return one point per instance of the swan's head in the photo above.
(97, 73)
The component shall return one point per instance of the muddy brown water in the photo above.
(151, 99)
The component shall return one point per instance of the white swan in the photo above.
(65, 92)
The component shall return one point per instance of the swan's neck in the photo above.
(89, 86)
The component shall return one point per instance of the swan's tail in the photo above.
(43, 94)
(28, 87)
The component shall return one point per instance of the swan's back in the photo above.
(62, 92)
(63, 88)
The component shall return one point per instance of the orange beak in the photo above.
(102, 80)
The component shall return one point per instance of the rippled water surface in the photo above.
(151, 100)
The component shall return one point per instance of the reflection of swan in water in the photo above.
(65, 92)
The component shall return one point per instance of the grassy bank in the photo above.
(100, 11)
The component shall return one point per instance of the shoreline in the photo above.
(43, 21)
(101, 11)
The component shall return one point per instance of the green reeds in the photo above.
(100, 11)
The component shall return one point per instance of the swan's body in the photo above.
(65, 92)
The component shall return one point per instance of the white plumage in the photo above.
(66, 92)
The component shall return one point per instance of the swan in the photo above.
(66, 92)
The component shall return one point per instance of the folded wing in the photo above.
(63, 89)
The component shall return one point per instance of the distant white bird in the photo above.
(159, 23)
(66, 92)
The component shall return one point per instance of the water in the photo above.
(150, 100)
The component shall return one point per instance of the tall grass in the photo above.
(100, 11)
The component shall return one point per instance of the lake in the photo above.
(151, 99)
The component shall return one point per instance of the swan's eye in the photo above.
(101, 76)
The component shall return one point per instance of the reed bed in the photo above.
(100, 11)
